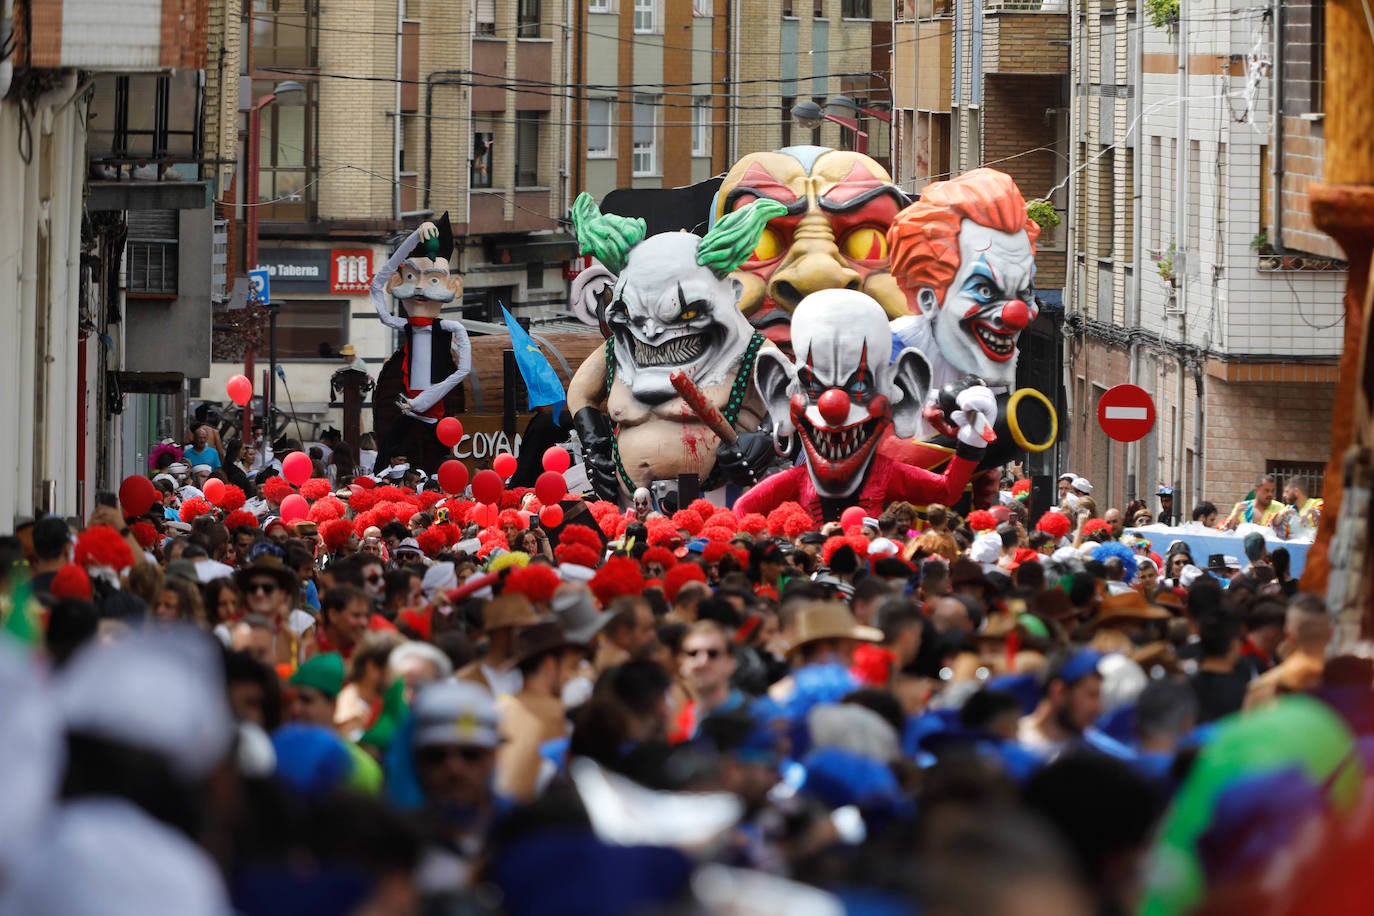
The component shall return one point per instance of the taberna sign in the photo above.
(296, 270)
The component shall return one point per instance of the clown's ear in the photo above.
(735, 235)
(911, 378)
(775, 377)
(605, 236)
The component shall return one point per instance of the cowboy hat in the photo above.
(830, 620)
(509, 610)
(1127, 607)
(539, 639)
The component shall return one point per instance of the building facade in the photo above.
(1235, 337)
(410, 110)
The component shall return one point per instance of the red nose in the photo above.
(834, 406)
(1015, 315)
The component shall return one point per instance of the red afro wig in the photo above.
(610, 524)
(798, 524)
(145, 534)
(328, 508)
(231, 498)
(71, 582)
(275, 489)
(513, 518)
(777, 519)
(714, 551)
(101, 545)
(660, 555)
(981, 520)
(578, 554)
(718, 533)
(661, 532)
(335, 533)
(1094, 525)
(580, 534)
(1021, 487)
(194, 508)
(857, 541)
(362, 500)
(432, 541)
(688, 521)
(678, 576)
(754, 523)
(703, 507)
(617, 576)
(536, 582)
(723, 518)
(316, 488)
(240, 519)
(428, 499)
(491, 539)
(1055, 524)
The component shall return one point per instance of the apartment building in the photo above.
(787, 51)
(1227, 307)
(651, 92)
(985, 83)
(408, 110)
(117, 119)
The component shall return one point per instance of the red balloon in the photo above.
(487, 487)
(296, 468)
(557, 459)
(485, 514)
(453, 476)
(854, 515)
(550, 487)
(551, 516)
(213, 490)
(504, 464)
(294, 508)
(137, 495)
(240, 390)
(524, 518)
(449, 431)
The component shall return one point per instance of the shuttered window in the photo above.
(150, 254)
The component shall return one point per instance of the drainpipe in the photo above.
(1276, 156)
(1198, 417)
(1133, 471)
(1181, 239)
(568, 103)
(734, 80)
(396, 120)
(437, 78)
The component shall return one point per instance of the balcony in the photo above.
(488, 212)
(1026, 36)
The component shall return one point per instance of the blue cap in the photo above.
(1078, 666)
(1165, 491)
(697, 545)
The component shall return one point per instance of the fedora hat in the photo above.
(508, 610)
(1127, 607)
(1053, 603)
(546, 636)
(831, 620)
(575, 610)
(267, 565)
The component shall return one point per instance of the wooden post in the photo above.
(1343, 207)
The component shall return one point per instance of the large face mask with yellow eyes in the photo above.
(834, 235)
(667, 313)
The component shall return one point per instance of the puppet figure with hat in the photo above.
(841, 398)
(419, 385)
(669, 393)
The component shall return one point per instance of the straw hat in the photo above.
(1127, 607)
(513, 610)
(831, 620)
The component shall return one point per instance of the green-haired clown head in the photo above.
(605, 236)
(735, 235)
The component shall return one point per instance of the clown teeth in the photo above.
(675, 352)
(1001, 344)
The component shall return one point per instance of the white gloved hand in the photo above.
(975, 417)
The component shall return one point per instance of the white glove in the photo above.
(975, 417)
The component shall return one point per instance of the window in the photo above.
(286, 185)
(856, 9)
(703, 9)
(644, 17)
(787, 9)
(1310, 475)
(818, 10)
(146, 116)
(527, 149)
(701, 125)
(304, 326)
(600, 129)
(479, 175)
(529, 19)
(787, 103)
(1105, 205)
(599, 6)
(645, 161)
(150, 254)
(283, 32)
(484, 15)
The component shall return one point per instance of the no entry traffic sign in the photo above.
(1126, 413)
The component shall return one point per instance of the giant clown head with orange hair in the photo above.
(964, 254)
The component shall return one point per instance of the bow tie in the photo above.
(420, 322)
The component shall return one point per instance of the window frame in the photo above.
(143, 244)
(489, 137)
(599, 6)
(529, 16)
(649, 10)
(647, 103)
(856, 9)
(528, 133)
(701, 125)
(609, 125)
(336, 322)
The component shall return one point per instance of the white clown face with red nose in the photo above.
(842, 395)
(988, 304)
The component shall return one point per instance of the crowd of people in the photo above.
(402, 700)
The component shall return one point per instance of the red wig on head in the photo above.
(678, 576)
(617, 576)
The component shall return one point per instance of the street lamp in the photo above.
(844, 111)
(287, 92)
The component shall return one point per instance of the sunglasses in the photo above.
(712, 654)
(267, 588)
(433, 756)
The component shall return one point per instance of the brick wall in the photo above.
(1248, 425)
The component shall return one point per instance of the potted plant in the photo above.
(1163, 14)
(1269, 259)
(1043, 214)
(1164, 260)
